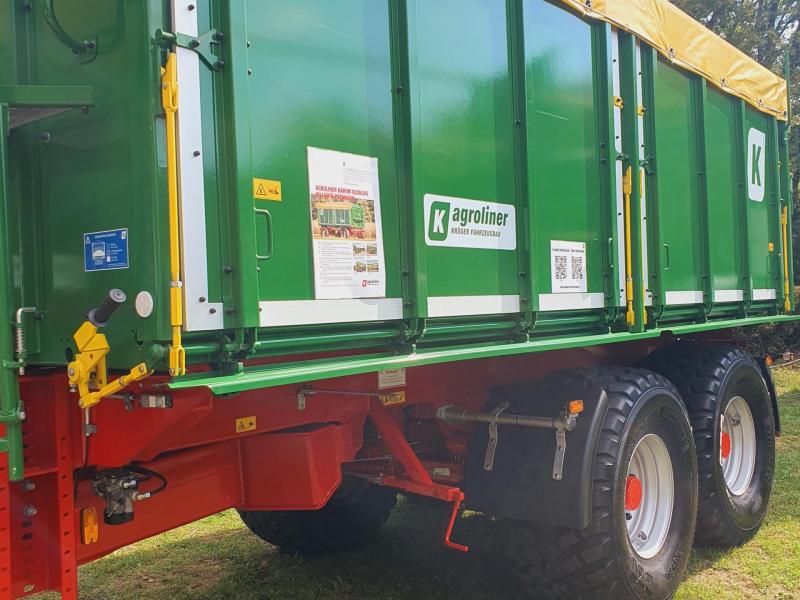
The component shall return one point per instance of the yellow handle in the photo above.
(138, 372)
(786, 291)
(627, 188)
(169, 99)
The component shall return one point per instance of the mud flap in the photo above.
(520, 484)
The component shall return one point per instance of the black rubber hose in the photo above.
(100, 316)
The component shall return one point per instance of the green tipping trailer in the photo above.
(280, 193)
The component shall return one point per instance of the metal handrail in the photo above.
(77, 46)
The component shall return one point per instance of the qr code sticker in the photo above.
(560, 265)
(577, 267)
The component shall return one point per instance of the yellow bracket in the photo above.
(786, 291)
(88, 373)
(169, 99)
(627, 189)
(619, 102)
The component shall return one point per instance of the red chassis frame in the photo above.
(283, 455)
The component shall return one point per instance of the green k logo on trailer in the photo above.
(439, 221)
(756, 165)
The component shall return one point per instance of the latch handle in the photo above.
(268, 230)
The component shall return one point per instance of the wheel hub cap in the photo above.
(649, 496)
(737, 452)
(633, 493)
(725, 445)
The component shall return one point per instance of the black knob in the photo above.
(99, 316)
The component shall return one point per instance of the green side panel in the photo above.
(723, 188)
(462, 136)
(321, 76)
(89, 173)
(676, 150)
(563, 145)
(7, 44)
(762, 211)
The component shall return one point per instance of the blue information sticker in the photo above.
(105, 250)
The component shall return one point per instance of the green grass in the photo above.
(218, 558)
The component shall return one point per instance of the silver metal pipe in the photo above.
(455, 415)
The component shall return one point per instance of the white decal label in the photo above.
(756, 164)
(346, 225)
(461, 223)
(568, 267)
(391, 378)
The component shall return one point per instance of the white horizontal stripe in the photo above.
(464, 306)
(682, 298)
(316, 312)
(763, 295)
(728, 296)
(556, 302)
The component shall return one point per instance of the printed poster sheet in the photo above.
(568, 267)
(346, 225)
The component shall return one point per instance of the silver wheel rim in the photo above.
(648, 525)
(738, 467)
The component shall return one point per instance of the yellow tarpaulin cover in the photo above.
(687, 43)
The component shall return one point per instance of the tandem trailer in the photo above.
(294, 258)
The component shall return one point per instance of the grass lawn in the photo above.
(218, 558)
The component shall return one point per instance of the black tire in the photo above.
(708, 377)
(352, 517)
(599, 562)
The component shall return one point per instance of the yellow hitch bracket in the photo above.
(88, 373)
(169, 99)
(619, 102)
(786, 290)
(88, 370)
(627, 189)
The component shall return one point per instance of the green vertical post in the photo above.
(786, 185)
(744, 234)
(420, 250)
(243, 267)
(402, 139)
(703, 143)
(630, 147)
(604, 91)
(516, 61)
(776, 204)
(10, 406)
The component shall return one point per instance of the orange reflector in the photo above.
(575, 407)
(725, 444)
(768, 361)
(633, 493)
(90, 526)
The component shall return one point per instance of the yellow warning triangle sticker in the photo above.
(267, 189)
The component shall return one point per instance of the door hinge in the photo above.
(204, 45)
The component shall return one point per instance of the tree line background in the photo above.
(767, 30)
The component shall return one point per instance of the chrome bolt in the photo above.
(28, 485)
(29, 511)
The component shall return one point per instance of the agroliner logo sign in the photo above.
(461, 223)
